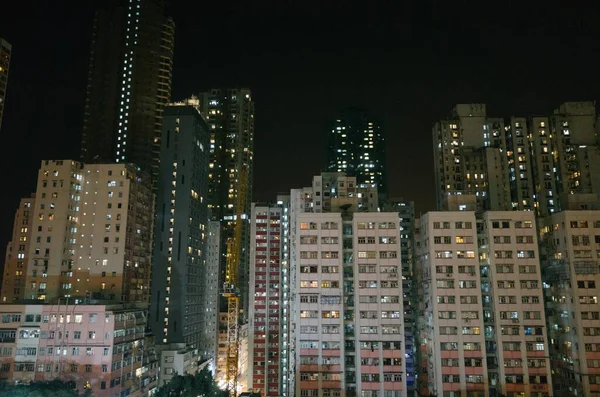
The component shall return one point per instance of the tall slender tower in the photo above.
(229, 114)
(356, 146)
(5, 49)
(129, 84)
(178, 278)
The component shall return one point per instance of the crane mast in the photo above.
(230, 287)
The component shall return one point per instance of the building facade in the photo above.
(229, 114)
(346, 313)
(410, 290)
(356, 146)
(543, 164)
(483, 326)
(269, 331)
(17, 252)
(516, 336)
(176, 359)
(571, 276)
(101, 348)
(90, 234)
(129, 84)
(5, 50)
(181, 231)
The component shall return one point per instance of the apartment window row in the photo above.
(465, 315)
(588, 300)
(468, 362)
(465, 346)
(374, 345)
(382, 284)
(590, 315)
(586, 284)
(457, 240)
(450, 299)
(382, 269)
(509, 254)
(513, 299)
(315, 226)
(464, 330)
(315, 314)
(459, 255)
(451, 284)
(374, 225)
(457, 225)
(372, 314)
(315, 269)
(385, 329)
(524, 284)
(382, 299)
(381, 240)
(315, 255)
(527, 315)
(505, 224)
(580, 225)
(322, 284)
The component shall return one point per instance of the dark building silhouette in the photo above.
(356, 145)
(129, 83)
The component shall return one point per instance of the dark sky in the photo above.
(304, 60)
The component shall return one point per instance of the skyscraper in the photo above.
(179, 271)
(229, 114)
(5, 49)
(129, 84)
(356, 146)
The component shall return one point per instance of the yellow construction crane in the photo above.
(230, 287)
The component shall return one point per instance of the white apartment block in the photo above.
(91, 233)
(571, 274)
(484, 325)
(453, 320)
(346, 305)
(513, 303)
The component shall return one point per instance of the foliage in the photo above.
(201, 384)
(55, 388)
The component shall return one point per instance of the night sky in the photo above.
(304, 60)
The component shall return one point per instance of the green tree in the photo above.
(54, 388)
(201, 384)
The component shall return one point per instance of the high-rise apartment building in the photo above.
(178, 306)
(91, 234)
(229, 114)
(576, 155)
(483, 323)
(571, 275)
(269, 315)
(17, 253)
(346, 310)
(542, 164)
(356, 146)
(5, 50)
(129, 84)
